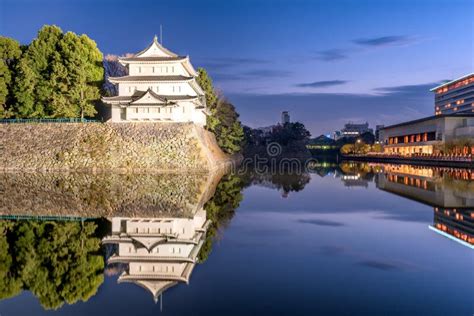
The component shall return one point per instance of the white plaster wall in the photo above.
(163, 250)
(162, 268)
(115, 110)
(168, 88)
(158, 69)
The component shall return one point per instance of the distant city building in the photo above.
(285, 117)
(428, 135)
(377, 132)
(160, 86)
(266, 130)
(352, 130)
(456, 96)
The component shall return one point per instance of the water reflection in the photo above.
(57, 261)
(158, 252)
(60, 232)
(450, 191)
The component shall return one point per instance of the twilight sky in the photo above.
(327, 62)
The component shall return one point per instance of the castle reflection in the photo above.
(158, 253)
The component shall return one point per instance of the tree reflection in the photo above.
(57, 261)
(220, 209)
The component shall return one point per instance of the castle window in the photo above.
(139, 69)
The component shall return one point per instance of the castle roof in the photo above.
(145, 97)
(152, 58)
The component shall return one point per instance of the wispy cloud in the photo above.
(364, 44)
(320, 222)
(321, 84)
(321, 112)
(404, 90)
(250, 74)
(331, 55)
(229, 62)
(393, 40)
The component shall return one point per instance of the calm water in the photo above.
(339, 240)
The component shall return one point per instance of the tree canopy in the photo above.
(223, 120)
(10, 53)
(57, 76)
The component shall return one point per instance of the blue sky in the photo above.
(327, 62)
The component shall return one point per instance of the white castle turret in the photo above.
(160, 86)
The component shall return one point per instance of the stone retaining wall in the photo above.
(108, 146)
(105, 194)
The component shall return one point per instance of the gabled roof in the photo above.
(155, 49)
(152, 58)
(149, 97)
(139, 95)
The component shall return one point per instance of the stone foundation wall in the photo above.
(108, 146)
(105, 194)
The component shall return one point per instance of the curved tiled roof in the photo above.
(138, 94)
(152, 58)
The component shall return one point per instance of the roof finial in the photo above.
(155, 38)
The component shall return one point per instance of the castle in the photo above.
(160, 86)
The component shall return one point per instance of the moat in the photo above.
(348, 239)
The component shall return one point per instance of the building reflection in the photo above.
(156, 253)
(438, 187)
(456, 224)
(449, 191)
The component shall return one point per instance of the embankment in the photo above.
(127, 147)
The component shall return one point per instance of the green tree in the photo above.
(347, 149)
(33, 88)
(10, 53)
(59, 75)
(83, 63)
(223, 120)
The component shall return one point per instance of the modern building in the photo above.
(159, 86)
(429, 134)
(377, 132)
(352, 130)
(456, 96)
(158, 252)
(285, 117)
